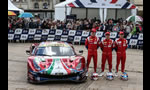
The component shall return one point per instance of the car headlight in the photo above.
(36, 66)
(79, 65)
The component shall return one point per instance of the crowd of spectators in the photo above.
(78, 24)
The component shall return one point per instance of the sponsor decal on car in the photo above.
(54, 44)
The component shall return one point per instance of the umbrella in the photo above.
(26, 15)
(135, 18)
(11, 13)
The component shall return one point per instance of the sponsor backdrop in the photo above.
(66, 35)
(124, 4)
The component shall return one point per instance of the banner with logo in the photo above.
(32, 31)
(18, 31)
(67, 35)
(124, 4)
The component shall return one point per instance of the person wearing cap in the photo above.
(120, 47)
(91, 44)
(106, 46)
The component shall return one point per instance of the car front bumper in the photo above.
(36, 77)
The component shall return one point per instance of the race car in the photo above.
(51, 61)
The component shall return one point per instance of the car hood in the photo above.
(53, 65)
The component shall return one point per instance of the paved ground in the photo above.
(17, 70)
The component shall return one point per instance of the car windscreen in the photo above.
(54, 51)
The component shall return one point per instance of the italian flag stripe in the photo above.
(51, 67)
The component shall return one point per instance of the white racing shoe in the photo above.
(87, 74)
(101, 74)
(116, 74)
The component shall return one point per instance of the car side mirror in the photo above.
(81, 52)
(28, 52)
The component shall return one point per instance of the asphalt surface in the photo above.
(17, 72)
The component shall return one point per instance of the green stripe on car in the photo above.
(51, 67)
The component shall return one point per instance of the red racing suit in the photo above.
(121, 46)
(91, 44)
(106, 47)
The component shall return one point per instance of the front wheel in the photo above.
(81, 80)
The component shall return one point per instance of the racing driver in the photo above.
(91, 44)
(121, 46)
(107, 46)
